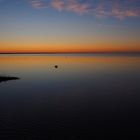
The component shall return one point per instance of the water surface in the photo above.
(87, 95)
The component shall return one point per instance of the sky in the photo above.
(69, 26)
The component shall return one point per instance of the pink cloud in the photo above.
(117, 8)
(39, 4)
(77, 7)
(121, 14)
(120, 11)
(58, 4)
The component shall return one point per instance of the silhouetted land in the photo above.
(7, 78)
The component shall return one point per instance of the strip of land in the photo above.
(7, 78)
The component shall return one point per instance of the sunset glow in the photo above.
(69, 26)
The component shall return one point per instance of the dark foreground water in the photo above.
(86, 97)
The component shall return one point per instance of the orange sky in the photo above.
(12, 48)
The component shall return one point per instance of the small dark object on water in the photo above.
(7, 78)
(56, 66)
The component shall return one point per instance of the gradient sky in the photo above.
(69, 25)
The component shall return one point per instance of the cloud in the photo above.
(39, 4)
(58, 4)
(121, 14)
(77, 7)
(117, 9)
(102, 9)
(124, 10)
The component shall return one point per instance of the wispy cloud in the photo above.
(117, 9)
(77, 7)
(39, 4)
(103, 8)
(58, 4)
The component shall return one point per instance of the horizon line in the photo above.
(99, 52)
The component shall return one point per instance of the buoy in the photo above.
(56, 66)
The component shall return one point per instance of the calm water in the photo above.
(87, 95)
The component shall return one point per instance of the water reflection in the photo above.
(85, 95)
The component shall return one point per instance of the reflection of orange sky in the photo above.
(31, 60)
(19, 64)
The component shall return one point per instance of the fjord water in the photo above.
(87, 95)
